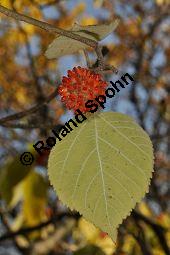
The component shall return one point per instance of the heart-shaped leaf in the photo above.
(103, 168)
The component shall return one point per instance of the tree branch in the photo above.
(35, 108)
(27, 125)
(158, 229)
(6, 225)
(93, 44)
(27, 230)
(47, 27)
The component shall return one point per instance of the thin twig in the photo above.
(27, 125)
(35, 108)
(86, 56)
(27, 230)
(92, 43)
(46, 26)
(6, 225)
(158, 229)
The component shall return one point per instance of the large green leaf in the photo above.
(103, 168)
(62, 45)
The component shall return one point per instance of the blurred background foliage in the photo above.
(32, 219)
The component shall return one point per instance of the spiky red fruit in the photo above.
(80, 86)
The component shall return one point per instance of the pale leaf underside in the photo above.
(103, 168)
(62, 45)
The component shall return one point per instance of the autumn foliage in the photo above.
(32, 219)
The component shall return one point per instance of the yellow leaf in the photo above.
(29, 29)
(6, 3)
(88, 230)
(144, 209)
(21, 95)
(94, 236)
(161, 2)
(128, 244)
(164, 220)
(88, 20)
(35, 195)
(79, 9)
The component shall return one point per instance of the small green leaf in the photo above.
(62, 45)
(103, 168)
